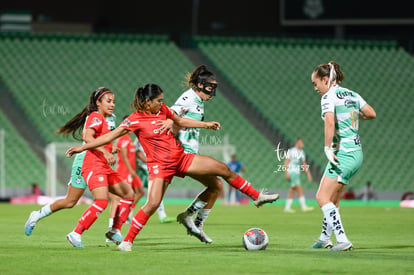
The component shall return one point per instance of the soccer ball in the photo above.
(255, 239)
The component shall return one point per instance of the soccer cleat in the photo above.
(203, 237)
(115, 236)
(289, 210)
(322, 244)
(167, 220)
(307, 209)
(346, 246)
(125, 247)
(265, 198)
(75, 239)
(188, 223)
(30, 223)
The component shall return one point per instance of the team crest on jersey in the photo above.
(156, 170)
(101, 178)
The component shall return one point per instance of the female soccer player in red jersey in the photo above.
(96, 170)
(166, 158)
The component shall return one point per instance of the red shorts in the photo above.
(156, 170)
(100, 177)
(134, 182)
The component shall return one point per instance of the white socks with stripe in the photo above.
(333, 220)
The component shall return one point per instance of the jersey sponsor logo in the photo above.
(342, 95)
(349, 103)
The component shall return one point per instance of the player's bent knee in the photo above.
(151, 206)
(71, 203)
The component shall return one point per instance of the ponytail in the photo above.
(142, 94)
(332, 71)
(200, 75)
(75, 125)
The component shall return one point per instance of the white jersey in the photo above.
(296, 158)
(345, 104)
(189, 105)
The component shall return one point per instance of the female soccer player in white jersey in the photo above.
(294, 164)
(166, 158)
(76, 186)
(341, 111)
(202, 87)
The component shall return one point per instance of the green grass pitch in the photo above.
(382, 236)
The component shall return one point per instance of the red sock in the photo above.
(122, 212)
(138, 222)
(245, 187)
(90, 215)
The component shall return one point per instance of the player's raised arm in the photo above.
(191, 123)
(102, 140)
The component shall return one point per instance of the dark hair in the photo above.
(200, 75)
(149, 91)
(322, 70)
(297, 139)
(75, 125)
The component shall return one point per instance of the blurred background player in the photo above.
(143, 175)
(76, 185)
(294, 164)
(233, 196)
(202, 86)
(341, 111)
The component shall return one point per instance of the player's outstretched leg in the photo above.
(72, 197)
(204, 165)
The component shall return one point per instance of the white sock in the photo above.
(44, 212)
(333, 219)
(202, 215)
(288, 203)
(161, 211)
(302, 202)
(111, 222)
(326, 231)
(195, 206)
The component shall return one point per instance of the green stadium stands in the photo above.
(52, 76)
(22, 165)
(274, 74)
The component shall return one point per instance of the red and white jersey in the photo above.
(94, 158)
(159, 148)
(126, 142)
